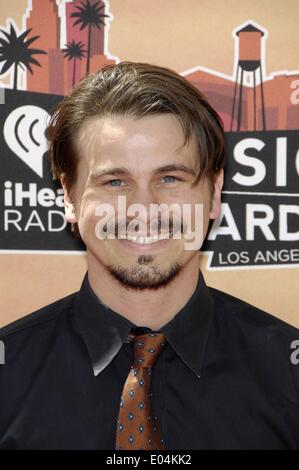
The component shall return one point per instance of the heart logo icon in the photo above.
(24, 133)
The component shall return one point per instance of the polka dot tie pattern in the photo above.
(137, 427)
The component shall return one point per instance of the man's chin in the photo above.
(143, 276)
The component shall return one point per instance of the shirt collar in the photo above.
(104, 331)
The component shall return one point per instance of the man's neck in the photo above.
(151, 308)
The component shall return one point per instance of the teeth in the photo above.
(142, 240)
(147, 240)
(164, 236)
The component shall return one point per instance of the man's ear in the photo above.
(216, 200)
(69, 208)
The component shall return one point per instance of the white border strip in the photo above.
(261, 193)
(208, 267)
(208, 254)
(42, 252)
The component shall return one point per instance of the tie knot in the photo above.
(147, 348)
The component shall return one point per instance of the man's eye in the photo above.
(115, 182)
(170, 179)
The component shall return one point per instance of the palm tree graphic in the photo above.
(73, 51)
(14, 50)
(89, 15)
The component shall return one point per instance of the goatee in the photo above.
(143, 277)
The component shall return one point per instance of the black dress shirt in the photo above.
(224, 380)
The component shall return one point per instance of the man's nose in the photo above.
(144, 197)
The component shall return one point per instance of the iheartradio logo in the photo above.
(24, 133)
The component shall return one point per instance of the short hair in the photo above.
(135, 89)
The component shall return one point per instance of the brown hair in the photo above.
(138, 90)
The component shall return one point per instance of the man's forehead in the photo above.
(113, 141)
(153, 130)
(95, 127)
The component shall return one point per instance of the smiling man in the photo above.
(139, 158)
(145, 355)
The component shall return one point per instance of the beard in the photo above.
(145, 275)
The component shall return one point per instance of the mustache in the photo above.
(171, 226)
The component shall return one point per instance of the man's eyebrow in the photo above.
(121, 171)
(110, 171)
(175, 167)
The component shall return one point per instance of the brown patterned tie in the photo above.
(137, 428)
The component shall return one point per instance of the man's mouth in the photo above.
(144, 240)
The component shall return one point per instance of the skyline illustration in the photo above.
(62, 43)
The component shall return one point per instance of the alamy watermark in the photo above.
(2, 352)
(2, 95)
(165, 221)
(295, 354)
(294, 98)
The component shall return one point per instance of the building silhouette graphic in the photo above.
(250, 62)
(45, 22)
(261, 103)
(75, 41)
(56, 75)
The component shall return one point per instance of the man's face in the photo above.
(140, 160)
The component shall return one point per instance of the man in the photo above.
(145, 355)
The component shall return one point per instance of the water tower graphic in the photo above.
(249, 62)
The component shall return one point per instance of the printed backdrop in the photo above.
(244, 58)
